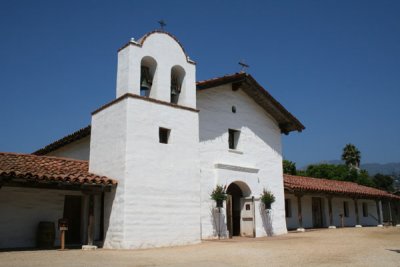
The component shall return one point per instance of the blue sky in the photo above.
(334, 64)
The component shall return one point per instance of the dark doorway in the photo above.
(72, 212)
(317, 212)
(234, 208)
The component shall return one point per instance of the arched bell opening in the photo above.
(177, 78)
(148, 68)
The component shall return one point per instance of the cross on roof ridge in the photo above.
(162, 24)
(244, 65)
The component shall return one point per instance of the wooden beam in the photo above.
(102, 218)
(390, 212)
(330, 211)
(55, 186)
(92, 189)
(378, 211)
(236, 86)
(357, 214)
(299, 211)
(91, 221)
(329, 194)
(26, 183)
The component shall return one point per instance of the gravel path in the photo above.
(329, 247)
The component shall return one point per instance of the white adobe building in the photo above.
(141, 175)
(174, 180)
(322, 203)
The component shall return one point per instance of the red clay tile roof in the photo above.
(49, 169)
(308, 184)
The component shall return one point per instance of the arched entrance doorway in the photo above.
(240, 210)
(235, 194)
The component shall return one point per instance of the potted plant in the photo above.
(219, 195)
(267, 198)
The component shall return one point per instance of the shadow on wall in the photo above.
(218, 222)
(108, 204)
(267, 217)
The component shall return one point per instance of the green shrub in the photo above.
(267, 198)
(219, 193)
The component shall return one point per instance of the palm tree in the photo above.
(352, 156)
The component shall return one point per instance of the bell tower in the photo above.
(147, 139)
(157, 66)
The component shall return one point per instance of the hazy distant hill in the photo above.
(388, 168)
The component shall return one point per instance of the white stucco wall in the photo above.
(337, 209)
(257, 161)
(292, 221)
(164, 178)
(108, 158)
(21, 211)
(76, 150)
(157, 199)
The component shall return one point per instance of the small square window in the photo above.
(365, 209)
(163, 134)
(247, 206)
(233, 138)
(288, 208)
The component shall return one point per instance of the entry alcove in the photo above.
(238, 204)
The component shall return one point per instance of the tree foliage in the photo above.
(351, 156)
(349, 172)
(338, 172)
(289, 167)
(384, 182)
(328, 171)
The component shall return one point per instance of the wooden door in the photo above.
(317, 212)
(72, 212)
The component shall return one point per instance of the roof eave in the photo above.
(286, 121)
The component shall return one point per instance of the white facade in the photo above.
(159, 200)
(255, 164)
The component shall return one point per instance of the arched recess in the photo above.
(177, 82)
(236, 191)
(148, 67)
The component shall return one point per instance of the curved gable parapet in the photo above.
(157, 82)
(142, 41)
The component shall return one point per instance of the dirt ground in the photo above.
(329, 247)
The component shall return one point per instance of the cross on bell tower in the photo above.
(162, 24)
